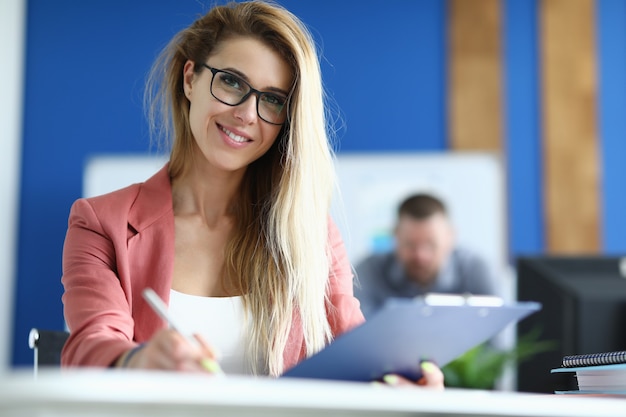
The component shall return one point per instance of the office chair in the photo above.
(46, 346)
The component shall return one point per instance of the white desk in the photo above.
(127, 393)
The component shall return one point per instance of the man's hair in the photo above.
(421, 206)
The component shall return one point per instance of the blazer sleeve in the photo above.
(96, 307)
(344, 311)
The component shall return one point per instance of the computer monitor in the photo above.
(583, 311)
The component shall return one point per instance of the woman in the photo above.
(234, 232)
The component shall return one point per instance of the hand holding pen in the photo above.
(170, 349)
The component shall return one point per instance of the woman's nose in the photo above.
(247, 111)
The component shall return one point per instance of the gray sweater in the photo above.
(381, 276)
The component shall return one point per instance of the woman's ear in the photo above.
(188, 78)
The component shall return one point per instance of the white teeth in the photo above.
(234, 137)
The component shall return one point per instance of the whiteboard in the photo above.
(370, 186)
(106, 173)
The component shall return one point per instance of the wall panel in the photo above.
(475, 75)
(570, 139)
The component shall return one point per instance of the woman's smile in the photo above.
(235, 137)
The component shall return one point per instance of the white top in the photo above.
(219, 320)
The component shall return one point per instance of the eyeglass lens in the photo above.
(232, 90)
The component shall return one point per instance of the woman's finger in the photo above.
(210, 356)
(432, 376)
(396, 380)
(167, 350)
(208, 350)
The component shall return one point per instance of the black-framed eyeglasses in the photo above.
(232, 90)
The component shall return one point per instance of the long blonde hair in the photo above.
(278, 254)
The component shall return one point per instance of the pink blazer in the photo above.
(119, 243)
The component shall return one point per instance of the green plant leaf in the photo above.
(481, 366)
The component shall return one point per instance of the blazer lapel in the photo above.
(151, 247)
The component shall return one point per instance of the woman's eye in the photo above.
(274, 100)
(231, 81)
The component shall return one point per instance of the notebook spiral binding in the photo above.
(590, 359)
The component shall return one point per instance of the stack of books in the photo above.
(596, 373)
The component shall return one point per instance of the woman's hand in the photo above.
(432, 378)
(169, 350)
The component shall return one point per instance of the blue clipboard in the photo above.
(405, 332)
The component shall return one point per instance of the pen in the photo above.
(160, 308)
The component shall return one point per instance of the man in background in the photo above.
(425, 260)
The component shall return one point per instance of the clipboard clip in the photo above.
(440, 299)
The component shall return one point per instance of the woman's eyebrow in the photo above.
(246, 79)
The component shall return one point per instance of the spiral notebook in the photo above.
(590, 359)
(405, 332)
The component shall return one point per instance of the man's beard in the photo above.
(422, 275)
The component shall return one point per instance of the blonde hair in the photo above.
(278, 255)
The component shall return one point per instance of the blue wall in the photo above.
(611, 34)
(85, 67)
(522, 109)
